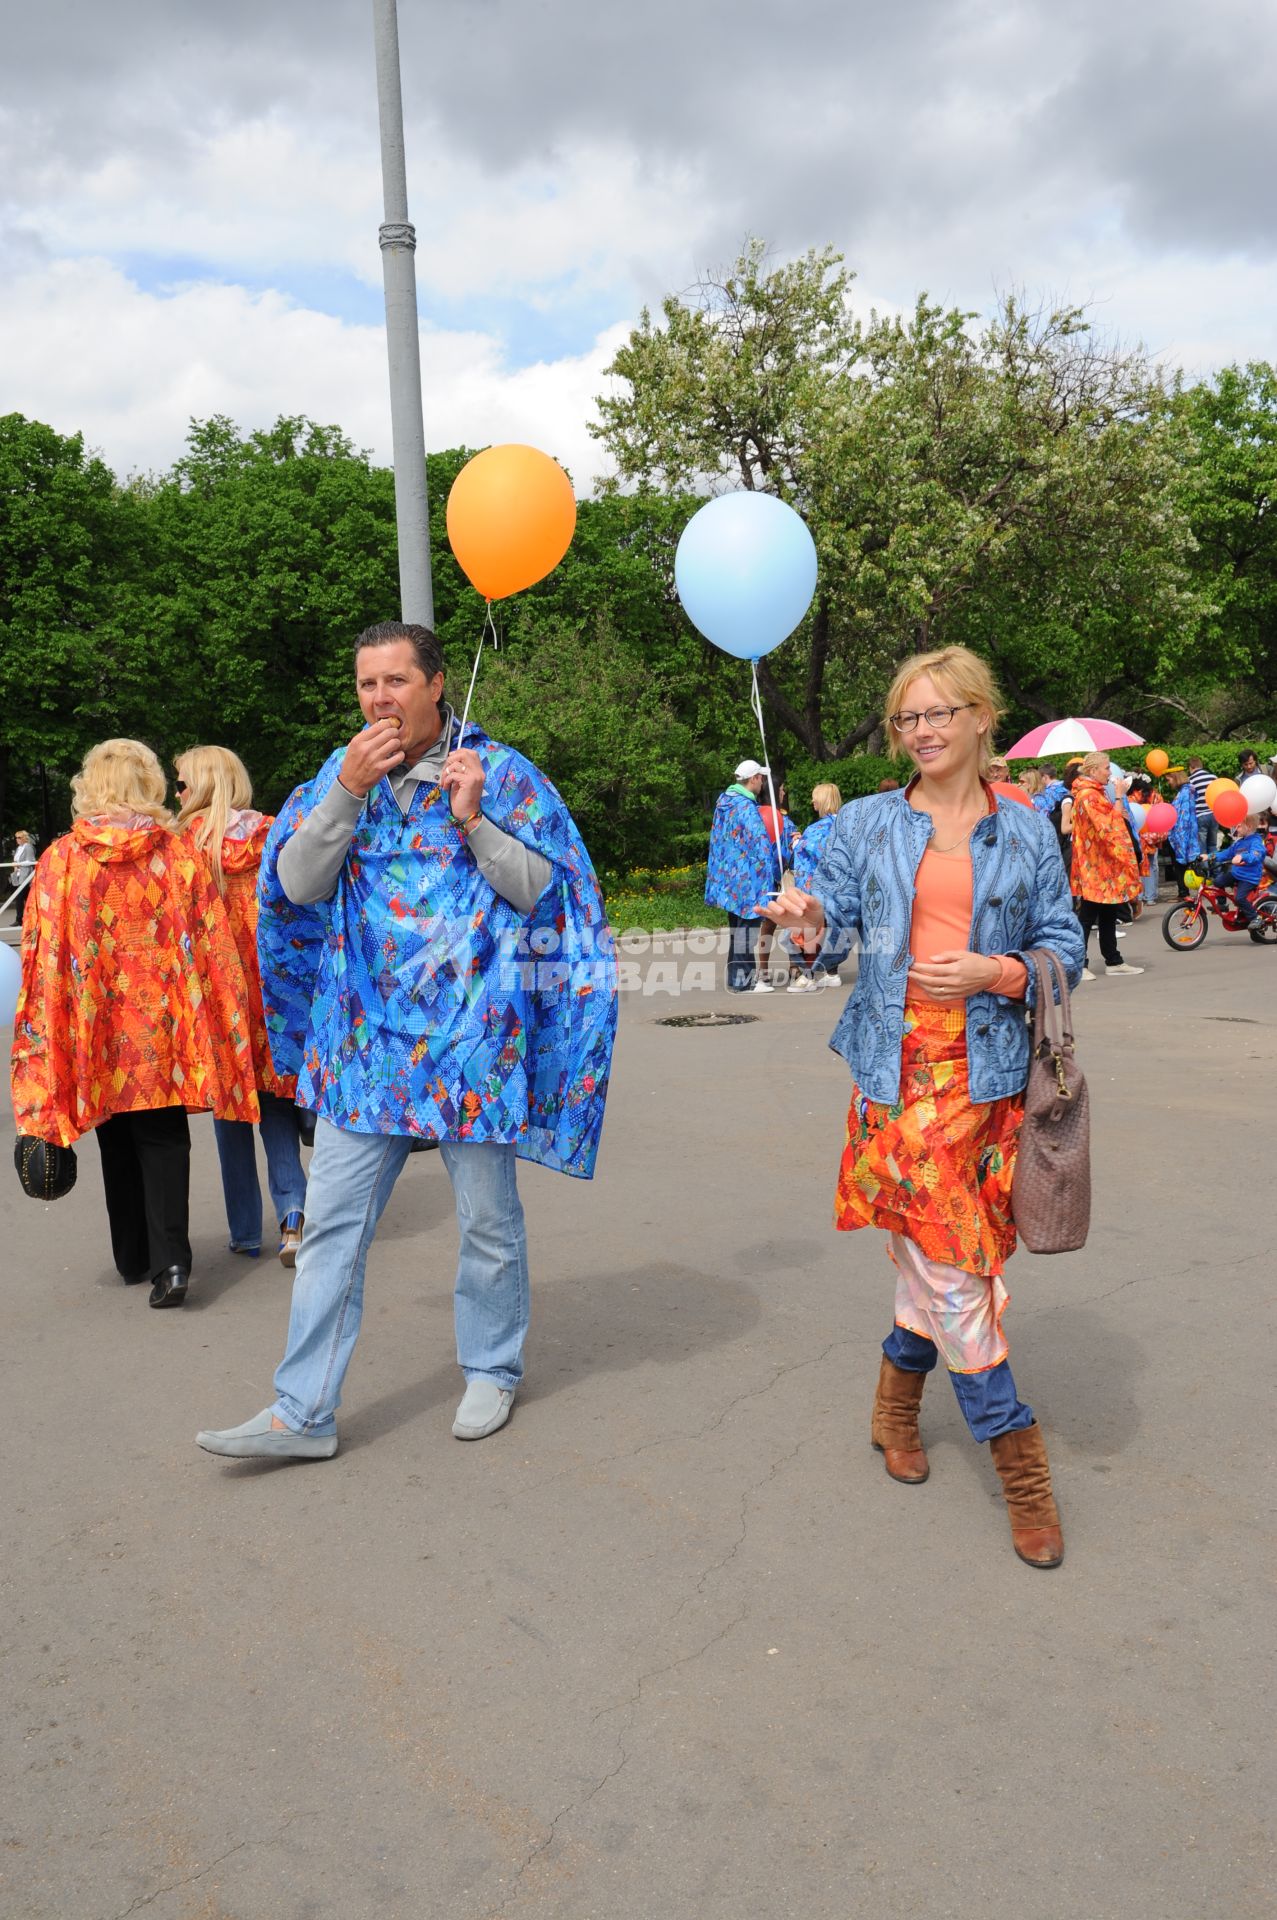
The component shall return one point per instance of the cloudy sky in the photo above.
(190, 193)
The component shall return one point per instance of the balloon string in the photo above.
(489, 626)
(756, 702)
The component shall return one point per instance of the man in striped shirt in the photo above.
(1207, 829)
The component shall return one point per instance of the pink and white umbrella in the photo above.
(1072, 736)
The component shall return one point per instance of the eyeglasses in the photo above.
(934, 717)
(180, 786)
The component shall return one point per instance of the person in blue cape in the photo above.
(742, 871)
(1053, 793)
(1184, 842)
(809, 850)
(436, 966)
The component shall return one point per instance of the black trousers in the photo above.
(146, 1174)
(1093, 913)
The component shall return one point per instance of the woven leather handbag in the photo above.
(46, 1170)
(1051, 1185)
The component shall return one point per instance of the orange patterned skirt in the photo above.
(933, 1167)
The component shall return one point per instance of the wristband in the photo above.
(464, 826)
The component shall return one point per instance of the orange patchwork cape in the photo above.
(132, 992)
(1104, 866)
(240, 862)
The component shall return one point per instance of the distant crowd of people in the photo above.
(1098, 813)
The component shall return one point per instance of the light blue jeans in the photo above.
(352, 1176)
(281, 1137)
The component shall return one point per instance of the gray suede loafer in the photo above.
(484, 1407)
(258, 1440)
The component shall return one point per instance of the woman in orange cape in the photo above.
(1105, 867)
(215, 795)
(132, 1009)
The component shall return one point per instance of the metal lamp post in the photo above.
(398, 244)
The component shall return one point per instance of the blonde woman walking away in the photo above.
(215, 795)
(132, 1008)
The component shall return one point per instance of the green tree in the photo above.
(278, 546)
(1011, 487)
(69, 540)
(1227, 682)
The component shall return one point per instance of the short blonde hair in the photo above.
(1093, 765)
(961, 676)
(121, 776)
(216, 783)
(826, 798)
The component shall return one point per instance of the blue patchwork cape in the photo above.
(1184, 839)
(417, 1001)
(742, 860)
(809, 848)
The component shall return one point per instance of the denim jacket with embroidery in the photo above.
(1020, 899)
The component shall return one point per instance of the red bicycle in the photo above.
(1185, 925)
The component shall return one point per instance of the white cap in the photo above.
(748, 768)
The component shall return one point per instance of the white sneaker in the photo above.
(1087, 974)
(1124, 968)
(829, 980)
(762, 986)
(803, 983)
(1122, 932)
(484, 1407)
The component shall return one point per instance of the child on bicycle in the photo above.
(1241, 865)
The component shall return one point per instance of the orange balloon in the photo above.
(1156, 761)
(1230, 807)
(511, 517)
(1217, 787)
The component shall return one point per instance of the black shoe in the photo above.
(170, 1288)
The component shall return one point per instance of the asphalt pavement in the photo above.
(671, 1644)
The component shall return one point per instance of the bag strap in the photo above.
(1052, 1018)
(1065, 999)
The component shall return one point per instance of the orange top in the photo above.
(942, 920)
(1010, 792)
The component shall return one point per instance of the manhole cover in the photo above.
(708, 1020)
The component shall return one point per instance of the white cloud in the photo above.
(271, 195)
(567, 165)
(83, 348)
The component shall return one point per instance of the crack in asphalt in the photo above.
(632, 1704)
(175, 1886)
(668, 1439)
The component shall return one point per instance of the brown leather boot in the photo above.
(1020, 1459)
(894, 1429)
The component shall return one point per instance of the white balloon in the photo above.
(1259, 793)
(10, 981)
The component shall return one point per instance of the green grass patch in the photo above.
(656, 899)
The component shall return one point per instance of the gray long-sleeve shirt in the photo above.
(310, 863)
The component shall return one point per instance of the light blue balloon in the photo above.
(1139, 814)
(746, 572)
(10, 981)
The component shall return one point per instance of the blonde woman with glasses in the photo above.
(215, 796)
(946, 883)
